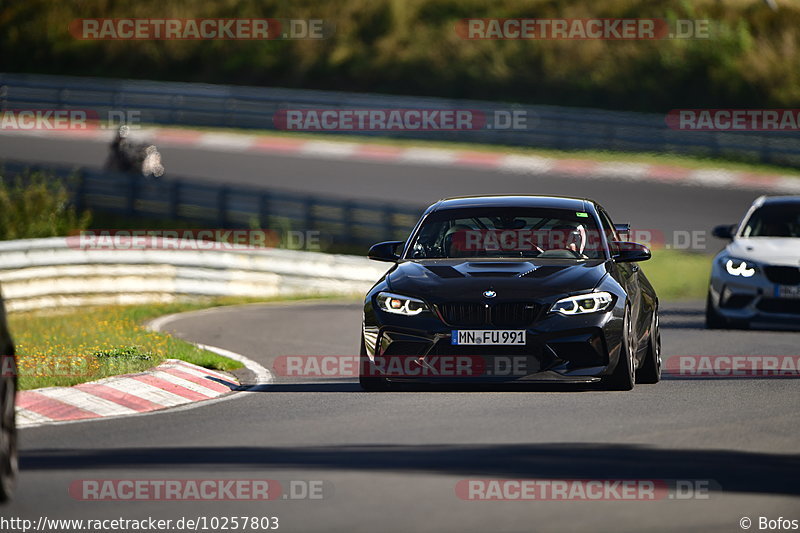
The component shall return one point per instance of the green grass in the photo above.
(80, 345)
(678, 275)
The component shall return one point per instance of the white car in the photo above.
(755, 280)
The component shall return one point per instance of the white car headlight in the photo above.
(400, 305)
(582, 304)
(739, 267)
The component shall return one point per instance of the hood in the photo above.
(770, 250)
(466, 280)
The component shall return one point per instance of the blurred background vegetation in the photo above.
(411, 47)
(34, 205)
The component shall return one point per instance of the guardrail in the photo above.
(197, 104)
(339, 222)
(48, 273)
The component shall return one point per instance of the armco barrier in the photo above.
(47, 273)
(197, 104)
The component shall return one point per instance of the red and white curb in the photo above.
(170, 384)
(512, 163)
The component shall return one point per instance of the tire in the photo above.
(369, 383)
(624, 376)
(8, 441)
(713, 319)
(651, 368)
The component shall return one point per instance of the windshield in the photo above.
(505, 232)
(775, 220)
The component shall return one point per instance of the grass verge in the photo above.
(678, 275)
(80, 345)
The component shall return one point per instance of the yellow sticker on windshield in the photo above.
(583, 215)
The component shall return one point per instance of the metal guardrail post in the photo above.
(132, 191)
(347, 223)
(308, 214)
(388, 222)
(222, 206)
(263, 210)
(80, 191)
(175, 198)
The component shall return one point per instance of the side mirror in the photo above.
(724, 232)
(631, 252)
(385, 251)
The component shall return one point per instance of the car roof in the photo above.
(773, 200)
(512, 200)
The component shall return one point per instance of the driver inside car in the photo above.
(570, 237)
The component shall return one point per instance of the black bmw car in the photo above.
(512, 289)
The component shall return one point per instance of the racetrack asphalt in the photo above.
(391, 461)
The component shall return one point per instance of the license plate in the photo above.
(488, 336)
(787, 291)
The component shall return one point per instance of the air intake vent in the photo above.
(464, 315)
(444, 271)
(785, 275)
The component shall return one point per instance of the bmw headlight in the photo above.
(400, 305)
(739, 267)
(582, 304)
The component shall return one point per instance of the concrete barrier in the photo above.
(47, 273)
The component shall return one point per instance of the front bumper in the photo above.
(754, 301)
(558, 348)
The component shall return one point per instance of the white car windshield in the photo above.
(774, 220)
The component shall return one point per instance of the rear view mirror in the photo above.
(631, 252)
(724, 232)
